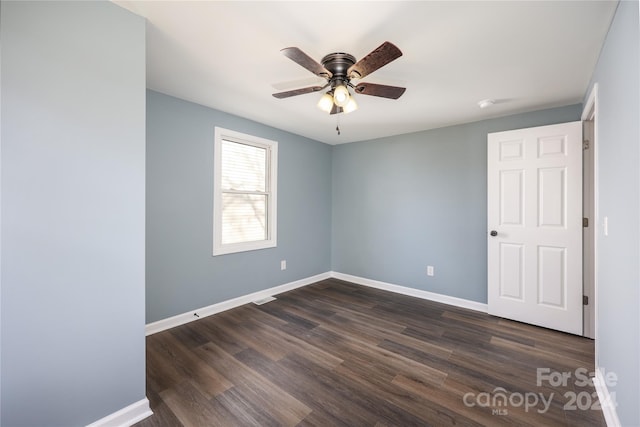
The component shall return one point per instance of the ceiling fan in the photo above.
(339, 69)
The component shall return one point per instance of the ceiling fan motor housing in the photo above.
(338, 63)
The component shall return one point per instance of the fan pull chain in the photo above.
(338, 123)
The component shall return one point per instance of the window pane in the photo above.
(243, 218)
(243, 167)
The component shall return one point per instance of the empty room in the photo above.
(319, 213)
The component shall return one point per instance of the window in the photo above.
(244, 195)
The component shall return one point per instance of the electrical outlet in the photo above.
(430, 271)
(283, 264)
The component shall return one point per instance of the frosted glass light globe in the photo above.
(341, 95)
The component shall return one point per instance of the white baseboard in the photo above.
(431, 296)
(190, 316)
(126, 417)
(607, 400)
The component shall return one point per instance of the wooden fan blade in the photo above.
(304, 60)
(384, 91)
(300, 91)
(336, 110)
(380, 57)
(296, 83)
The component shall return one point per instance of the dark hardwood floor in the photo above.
(338, 354)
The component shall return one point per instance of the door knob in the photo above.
(493, 233)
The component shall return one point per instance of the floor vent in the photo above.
(264, 300)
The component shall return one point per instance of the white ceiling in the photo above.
(226, 55)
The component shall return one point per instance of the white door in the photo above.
(534, 179)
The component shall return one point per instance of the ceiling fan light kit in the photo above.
(339, 69)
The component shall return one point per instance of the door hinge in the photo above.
(585, 222)
(585, 300)
(585, 144)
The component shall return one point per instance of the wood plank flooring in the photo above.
(339, 354)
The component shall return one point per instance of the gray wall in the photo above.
(618, 295)
(402, 203)
(182, 274)
(72, 232)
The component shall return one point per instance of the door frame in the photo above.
(590, 112)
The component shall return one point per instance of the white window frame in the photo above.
(271, 189)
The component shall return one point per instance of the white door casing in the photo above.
(534, 179)
(588, 235)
